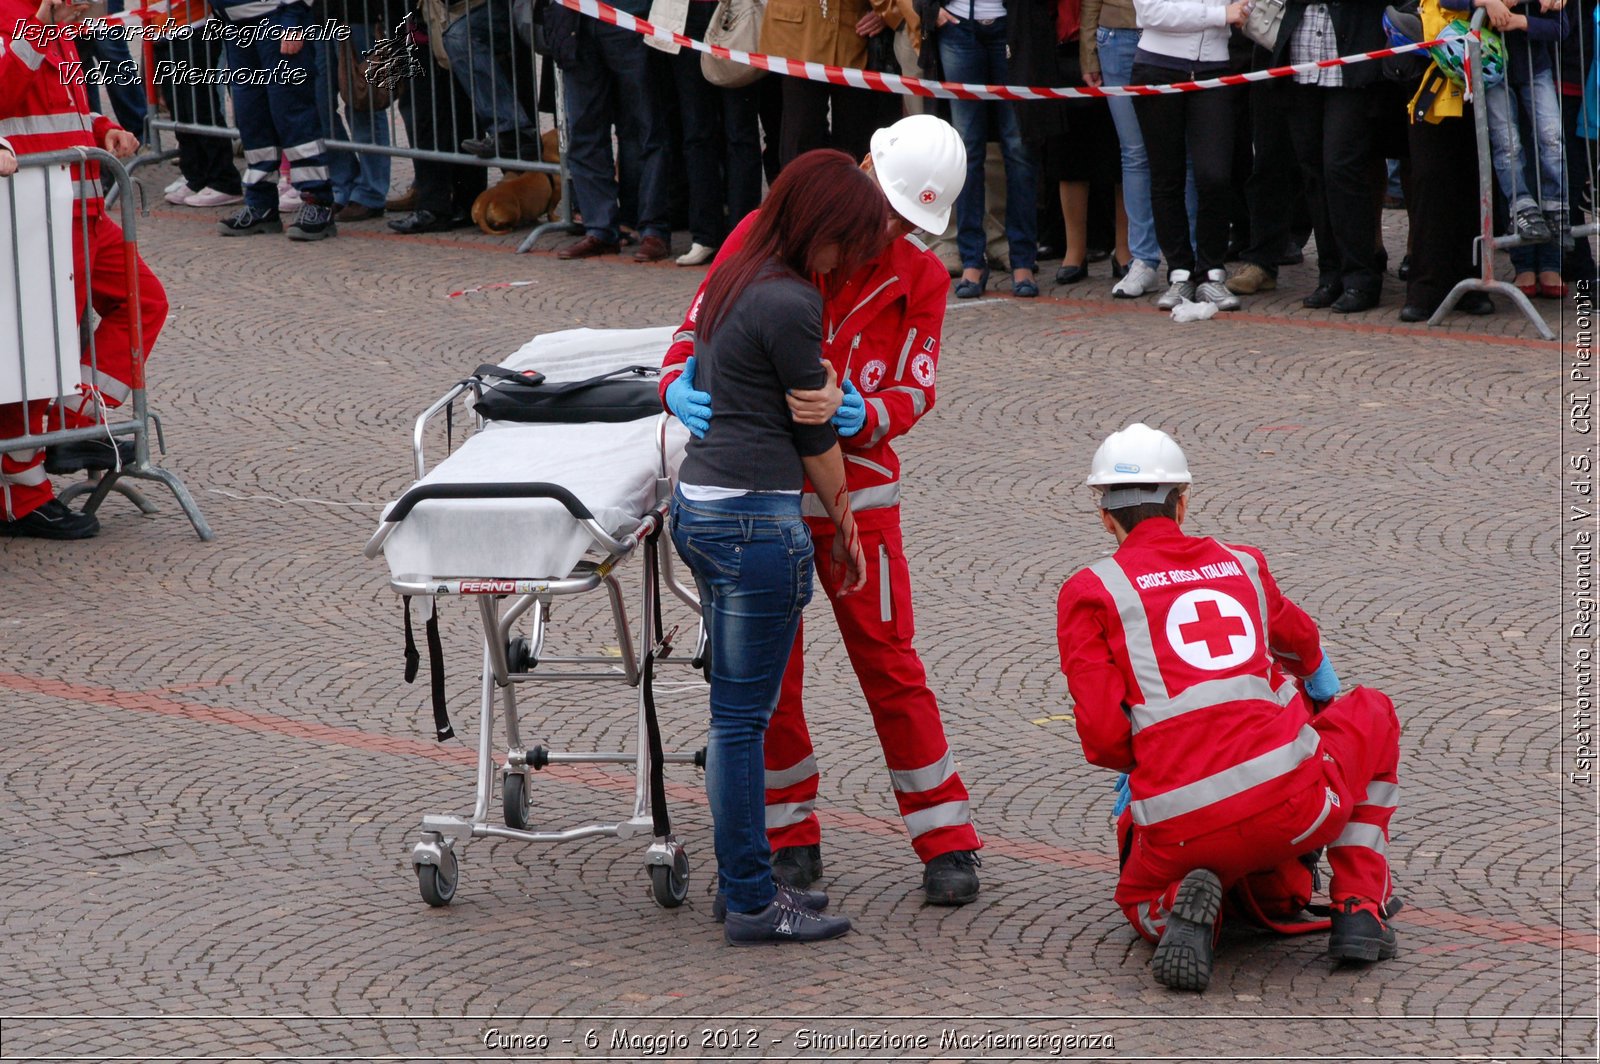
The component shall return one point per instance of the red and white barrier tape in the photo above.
(951, 90)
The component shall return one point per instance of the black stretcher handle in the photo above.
(529, 490)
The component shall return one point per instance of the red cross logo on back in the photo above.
(1211, 630)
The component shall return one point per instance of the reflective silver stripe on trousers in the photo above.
(303, 151)
(919, 398)
(1135, 629)
(943, 815)
(885, 592)
(25, 478)
(1210, 693)
(787, 814)
(1229, 782)
(70, 122)
(301, 172)
(1327, 807)
(1369, 836)
(883, 421)
(876, 497)
(803, 769)
(1382, 795)
(86, 190)
(261, 155)
(1151, 927)
(912, 780)
(106, 384)
(869, 464)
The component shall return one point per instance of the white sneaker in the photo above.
(177, 193)
(1138, 281)
(697, 255)
(210, 197)
(1214, 289)
(1180, 289)
(288, 197)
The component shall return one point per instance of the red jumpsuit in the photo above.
(42, 109)
(1176, 651)
(881, 331)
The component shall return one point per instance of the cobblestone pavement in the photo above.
(214, 772)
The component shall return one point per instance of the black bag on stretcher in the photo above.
(621, 395)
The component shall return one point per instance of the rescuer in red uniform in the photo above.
(881, 339)
(1181, 655)
(43, 108)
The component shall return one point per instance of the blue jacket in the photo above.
(290, 12)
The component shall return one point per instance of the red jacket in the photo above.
(1175, 650)
(880, 330)
(43, 105)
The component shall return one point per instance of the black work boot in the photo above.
(1183, 956)
(1361, 931)
(951, 878)
(797, 866)
(53, 520)
(66, 458)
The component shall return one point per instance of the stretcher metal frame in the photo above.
(508, 661)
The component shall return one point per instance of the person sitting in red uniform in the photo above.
(881, 341)
(1181, 655)
(43, 108)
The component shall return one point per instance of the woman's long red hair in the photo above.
(820, 198)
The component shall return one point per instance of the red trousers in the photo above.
(877, 626)
(1347, 811)
(108, 376)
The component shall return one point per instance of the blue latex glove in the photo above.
(1323, 684)
(852, 412)
(688, 405)
(1124, 795)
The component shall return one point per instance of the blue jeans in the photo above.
(126, 92)
(1116, 48)
(751, 558)
(610, 84)
(973, 52)
(471, 43)
(1520, 117)
(357, 177)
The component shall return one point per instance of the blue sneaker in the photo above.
(782, 921)
(815, 900)
(248, 220)
(314, 222)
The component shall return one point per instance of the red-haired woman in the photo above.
(736, 513)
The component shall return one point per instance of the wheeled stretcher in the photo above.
(522, 513)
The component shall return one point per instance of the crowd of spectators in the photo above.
(1242, 175)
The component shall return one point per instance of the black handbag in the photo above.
(621, 395)
(880, 53)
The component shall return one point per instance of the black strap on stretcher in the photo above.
(441, 716)
(652, 727)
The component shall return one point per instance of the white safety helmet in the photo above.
(1144, 463)
(920, 164)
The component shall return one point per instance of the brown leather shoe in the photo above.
(406, 201)
(1251, 279)
(651, 249)
(355, 212)
(587, 248)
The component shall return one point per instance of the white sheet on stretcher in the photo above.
(611, 467)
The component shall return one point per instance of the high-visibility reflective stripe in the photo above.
(1210, 693)
(1252, 571)
(867, 463)
(1135, 628)
(300, 172)
(1368, 836)
(682, 335)
(253, 176)
(1154, 928)
(943, 815)
(803, 769)
(1287, 655)
(885, 591)
(25, 478)
(20, 458)
(876, 497)
(31, 57)
(905, 353)
(1229, 782)
(261, 155)
(304, 151)
(1327, 807)
(86, 190)
(787, 814)
(913, 780)
(1383, 795)
(882, 428)
(919, 398)
(27, 125)
(107, 385)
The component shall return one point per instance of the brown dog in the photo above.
(520, 198)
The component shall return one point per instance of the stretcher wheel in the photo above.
(519, 655)
(438, 882)
(669, 884)
(516, 800)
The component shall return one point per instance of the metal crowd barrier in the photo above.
(60, 346)
(1486, 243)
(494, 71)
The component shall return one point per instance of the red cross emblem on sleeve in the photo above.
(1211, 630)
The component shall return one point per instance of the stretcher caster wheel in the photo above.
(438, 882)
(669, 884)
(519, 655)
(516, 800)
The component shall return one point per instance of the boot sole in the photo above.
(1363, 949)
(262, 227)
(845, 930)
(295, 233)
(1183, 958)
